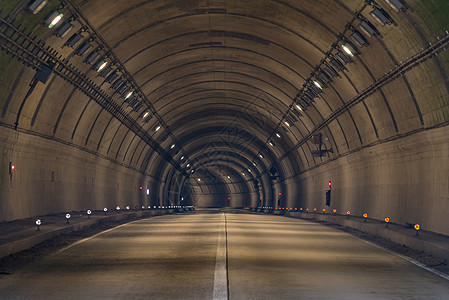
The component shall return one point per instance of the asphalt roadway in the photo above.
(222, 256)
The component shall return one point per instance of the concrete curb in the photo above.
(48, 233)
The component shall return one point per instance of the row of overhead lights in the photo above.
(93, 56)
(344, 51)
(98, 59)
(104, 68)
(335, 60)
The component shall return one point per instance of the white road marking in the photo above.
(220, 278)
(94, 236)
(409, 259)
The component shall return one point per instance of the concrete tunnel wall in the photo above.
(51, 177)
(405, 180)
(400, 170)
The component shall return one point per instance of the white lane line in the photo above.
(220, 278)
(94, 236)
(409, 259)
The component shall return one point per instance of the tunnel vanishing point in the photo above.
(269, 104)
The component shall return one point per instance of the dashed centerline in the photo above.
(221, 274)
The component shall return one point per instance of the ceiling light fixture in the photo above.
(101, 66)
(53, 19)
(359, 38)
(129, 95)
(396, 5)
(64, 29)
(92, 56)
(349, 49)
(318, 85)
(336, 64)
(36, 6)
(368, 28)
(381, 16)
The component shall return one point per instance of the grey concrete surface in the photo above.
(272, 257)
(169, 257)
(22, 234)
(269, 257)
(427, 241)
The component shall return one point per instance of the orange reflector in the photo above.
(334, 210)
(314, 209)
(324, 210)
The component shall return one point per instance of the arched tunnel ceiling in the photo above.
(240, 81)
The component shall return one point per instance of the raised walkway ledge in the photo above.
(19, 235)
(429, 242)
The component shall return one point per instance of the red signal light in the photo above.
(11, 168)
(330, 183)
(140, 187)
(280, 194)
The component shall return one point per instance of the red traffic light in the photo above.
(280, 194)
(330, 183)
(140, 187)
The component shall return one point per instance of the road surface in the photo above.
(222, 256)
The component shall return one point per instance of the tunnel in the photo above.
(276, 107)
